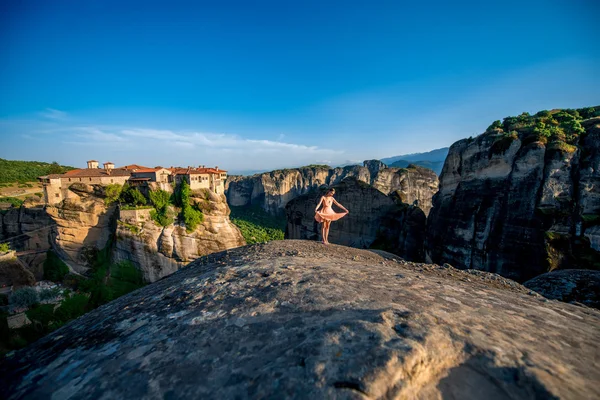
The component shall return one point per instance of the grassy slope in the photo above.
(27, 171)
(257, 225)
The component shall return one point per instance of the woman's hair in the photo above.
(332, 190)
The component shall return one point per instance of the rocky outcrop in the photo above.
(375, 220)
(518, 206)
(159, 251)
(297, 319)
(572, 286)
(84, 225)
(13, 272)
(273, 190)
(27, 230)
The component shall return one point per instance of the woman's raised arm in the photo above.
(319, 205)
(339, 205)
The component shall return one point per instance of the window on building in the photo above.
(69, 179)
(79, 179)
(112, 180)
(90, 179)
(56, 194)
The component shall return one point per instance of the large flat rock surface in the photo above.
(304, 320)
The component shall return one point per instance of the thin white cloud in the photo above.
(52, 113)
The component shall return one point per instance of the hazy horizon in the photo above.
(269, 85)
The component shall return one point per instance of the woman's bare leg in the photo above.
(327, 225)
(323, 224)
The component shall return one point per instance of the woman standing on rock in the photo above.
(326, 215)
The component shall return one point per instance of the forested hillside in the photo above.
(27, 171)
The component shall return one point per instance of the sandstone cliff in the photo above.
(518, 205)
(295, 319)
(82, 225)
(159, 251)
(273, 190)
(374, 220)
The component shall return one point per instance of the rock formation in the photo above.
(82, 225)
(518, 205)
(28, 229)
(571, 285)
(273, 190)
(13, 272)
(297, 319)
(159, 251)
(374, 220)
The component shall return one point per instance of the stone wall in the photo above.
(135, 216)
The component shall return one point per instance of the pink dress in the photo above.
(327, 212)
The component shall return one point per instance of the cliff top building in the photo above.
(56, 185)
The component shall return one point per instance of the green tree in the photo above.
(495, 125)
(161, 213)
(112, 192)
(131, 196)
(55, 168)
(138, 198)
(54, 268)
(183, 194)
(192, 217)
(160, 199)
(587, 112)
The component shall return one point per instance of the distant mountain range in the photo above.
(433, 159)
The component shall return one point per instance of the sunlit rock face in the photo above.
(296, 319)
(159, 251)
(273, 190)
(84, 226)
(520, 209)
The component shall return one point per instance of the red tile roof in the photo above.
(92, 172)
(133, 166)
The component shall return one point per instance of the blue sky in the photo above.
(256, 85)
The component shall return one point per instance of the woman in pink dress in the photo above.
(326, 215)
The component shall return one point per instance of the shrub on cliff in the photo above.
(124, 278)
(112, 192)
(72, 307)
(4, 248)
(132, 196)
(495, 125)
(190, 215)
(161, 213)
(54, 268)
(160, 198)
(162, 218)
(15, 202)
